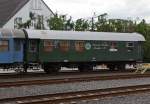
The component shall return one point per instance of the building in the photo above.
(24, 13)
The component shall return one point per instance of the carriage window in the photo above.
(48, 45)
(4, 45)
(79, 46)
(17, 45)
(113, 47)
(130, 46)
(33, 46)
(64, 46)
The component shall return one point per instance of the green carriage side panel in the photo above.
(100, 55)
(90, 54)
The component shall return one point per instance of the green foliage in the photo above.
(38, 22)
(114, 25)
(81, 25)
(25, 25)
(144, 29)
(59, 22)
(56, 22)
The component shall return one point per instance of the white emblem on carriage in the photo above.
(88, 46)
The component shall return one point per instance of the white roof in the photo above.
(74, 35)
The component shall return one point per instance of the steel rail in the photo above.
(78, 96)
(70, 80)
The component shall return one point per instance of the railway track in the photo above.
(64, 73)
(77, 96)
(70, 80)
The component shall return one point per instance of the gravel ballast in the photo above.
(68, 87)
(140, 98)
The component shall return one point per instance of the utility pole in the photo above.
(92, 20)
(94, 16)
(92, 23)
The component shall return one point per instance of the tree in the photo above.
(69, 25)
(60, 22)
(101, 24)
(56, 22)
(81, 25)
(144, 29)
(25, 25)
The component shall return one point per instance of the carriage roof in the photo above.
(11, 33)
(74, 35)
(71, 35)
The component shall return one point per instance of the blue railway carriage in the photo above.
(11, 48)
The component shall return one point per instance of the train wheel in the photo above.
(89, 68)
(55, 69)
(51, 69)
(85, 68)
(111, 67)
(81, 68)
(46, 69)
(25, 66)
(121, 67)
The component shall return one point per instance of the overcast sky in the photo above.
(114, 8)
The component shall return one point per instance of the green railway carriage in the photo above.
(56, 49)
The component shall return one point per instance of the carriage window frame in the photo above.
(79, 46)
(113, 46)
(4, 47)
(48, 47)
(64, 45)
(35, 46)
(130, 48)
(127, 44)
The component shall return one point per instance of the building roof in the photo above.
(8, 8)
(72, 35)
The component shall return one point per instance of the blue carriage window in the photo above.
(17, 45)
(33, 46)
(4, 45)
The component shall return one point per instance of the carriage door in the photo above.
(33, 55)
(18, 50)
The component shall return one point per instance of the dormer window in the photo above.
(36, 4)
